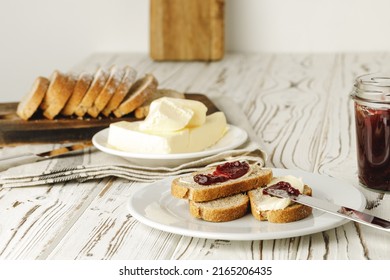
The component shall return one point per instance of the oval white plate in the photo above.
(233, 138)
(154, 206)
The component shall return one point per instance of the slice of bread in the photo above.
(116, 75)
(143, 111)
(185, 187)
(127, 81)
(84, 80)
(222, 209)
(291, 213)
(58, 81)
(100, 79)
(31, 101)
(138, 95)
(57, 101)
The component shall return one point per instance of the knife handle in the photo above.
(6, 163)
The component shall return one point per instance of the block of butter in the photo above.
(128, 136)
(173, 114)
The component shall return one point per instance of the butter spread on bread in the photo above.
(279, 210)
(269, 202)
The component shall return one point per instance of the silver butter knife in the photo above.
(331, 208)
(6, 163)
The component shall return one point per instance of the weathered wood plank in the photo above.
(107, 231)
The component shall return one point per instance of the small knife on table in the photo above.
(8, 162)
(334, 209)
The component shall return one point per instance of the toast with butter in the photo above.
(232, 199)
(279, 210)
(185, 187)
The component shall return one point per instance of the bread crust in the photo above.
(291, 213)
(137, 95)
(198, 193)
(221, 210)
(30, 102)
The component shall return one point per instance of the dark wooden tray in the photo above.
(15, 131)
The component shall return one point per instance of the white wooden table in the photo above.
(299, 106)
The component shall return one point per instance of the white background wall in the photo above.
(38, 36)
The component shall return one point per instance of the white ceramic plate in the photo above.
(154, 206)
(233, 138)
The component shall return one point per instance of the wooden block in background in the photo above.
(186, 29)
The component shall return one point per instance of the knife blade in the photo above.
(12, 161)
(334, 209)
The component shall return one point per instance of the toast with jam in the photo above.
(221, 181)
(213, 197)
(265, 207)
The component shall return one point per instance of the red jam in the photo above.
(285, 186)
(373, 146)
(223, 172)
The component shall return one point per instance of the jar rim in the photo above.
(374, 87)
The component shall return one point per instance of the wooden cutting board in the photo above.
(187, 29)
(15, 131)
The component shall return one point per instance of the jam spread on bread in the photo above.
(223, 173)
(285, 186)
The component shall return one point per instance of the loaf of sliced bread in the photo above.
(185, 186)
(221, 210)
(291, 213)
(31, 101)
(107, 91)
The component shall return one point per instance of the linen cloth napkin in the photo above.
(94, 164)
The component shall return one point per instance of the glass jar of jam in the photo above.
(371, 95)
